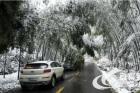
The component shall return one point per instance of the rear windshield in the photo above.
(36, 66)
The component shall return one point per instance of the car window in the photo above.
(55, 64)
(36, 66)
(58, 65)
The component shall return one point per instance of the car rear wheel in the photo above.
(53, 81)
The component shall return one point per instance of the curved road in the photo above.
(83, 82)
(75, 82)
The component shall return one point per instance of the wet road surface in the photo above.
(82, 83)
(75, 82)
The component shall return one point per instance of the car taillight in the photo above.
(47, 70)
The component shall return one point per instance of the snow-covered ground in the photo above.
(121, 81)
(9, 82)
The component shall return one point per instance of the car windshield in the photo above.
(36, 66)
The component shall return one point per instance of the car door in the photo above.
(60, 69)
(55, 69)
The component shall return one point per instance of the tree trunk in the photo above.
(4, 66)
(19, 62)
(55, 55)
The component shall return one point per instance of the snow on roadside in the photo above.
(120, 80)
(104, 63)
(9, 82)
(115, 83)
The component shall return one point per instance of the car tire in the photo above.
(24, 87)
(53, 81)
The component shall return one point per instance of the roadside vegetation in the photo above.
(64, 32)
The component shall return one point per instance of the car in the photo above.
(41, 73)
(68, 67)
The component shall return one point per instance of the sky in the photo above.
(41, 6)
(38, 4)
(49, 3)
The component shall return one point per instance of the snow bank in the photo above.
(132, 80)
(9, 82)
(120, 80)
(115, 83)
(104, 63)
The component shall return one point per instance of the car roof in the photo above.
(48, 62)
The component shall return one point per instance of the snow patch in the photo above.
(98, 86)
(93, 29)
(99, 41)
(87, 40)
(120, 80)
(9, 82)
